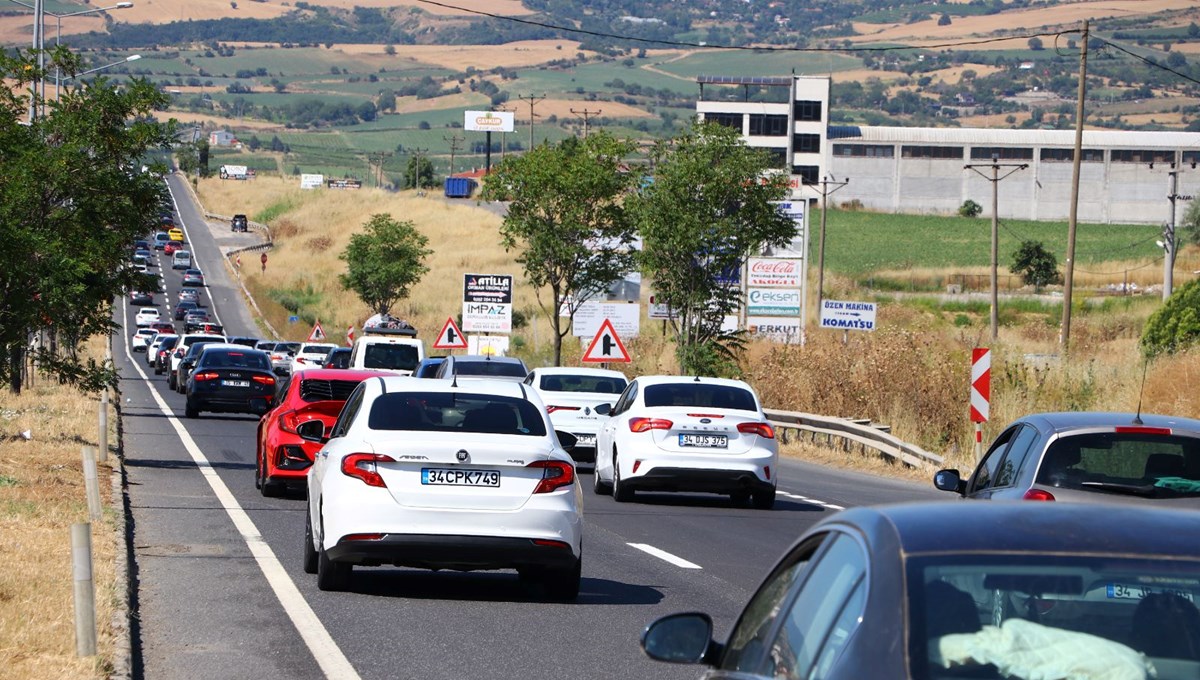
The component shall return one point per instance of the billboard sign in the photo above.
(773, 302)
(489, 121)
(777, 328)
(624, 316)
(848, 316)
(796, 246)
(487, 303)
(764, 272)
(312, 181)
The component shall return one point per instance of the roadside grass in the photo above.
(41, 495)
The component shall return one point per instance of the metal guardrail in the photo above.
(852, 432)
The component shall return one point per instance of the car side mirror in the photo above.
(949, 480)
(312, 431)
(679, 638)
(566, 440)
(603, 409)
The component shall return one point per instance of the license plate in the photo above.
(585, 440)
(708, 441)
(1122, 591)
(454, 477)
(236, 383)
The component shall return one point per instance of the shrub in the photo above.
(970, 208)
(1176, 324)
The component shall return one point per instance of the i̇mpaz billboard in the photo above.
(487, 303)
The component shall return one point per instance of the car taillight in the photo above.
(555, 475)
(263, 379)
(1038, 495)
(288, 421)
(207, 375)
(362, 537)
(645, 424)
(362, 466)
(763, 430)
(552, 408)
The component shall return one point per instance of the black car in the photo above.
(184, 307)
(965, 590)
(244, 340)
(140, 298)
(187, 362)
(141, 244)
(238, 223)
(338, 357)
(162, 359)
(230, 380)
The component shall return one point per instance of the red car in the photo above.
(171, 246)
(282, 457)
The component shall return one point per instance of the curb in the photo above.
(124, 576)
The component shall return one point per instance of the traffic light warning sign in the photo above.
(450, 337)
(606, 347)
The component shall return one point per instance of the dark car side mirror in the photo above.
(603, 409)
(949, 480)
(312, 431)
(679, 638)
(566, 440)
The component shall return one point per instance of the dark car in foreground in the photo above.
(980, 590)
(1088, 457)
(338, 357)
(230, 379)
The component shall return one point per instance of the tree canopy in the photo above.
(1037, 266)
(384, 262)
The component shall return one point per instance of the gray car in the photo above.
(1088, 457)
(483, 366)
(193, 277)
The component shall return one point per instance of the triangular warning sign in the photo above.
(317, 334)
(606, 347)
(450, 337)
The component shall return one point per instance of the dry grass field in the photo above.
(41, 495)
(458, 57)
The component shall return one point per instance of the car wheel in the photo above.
(157, 370)
(562, 585)
(331, 576)
(190, 410)
(764, 500)
(740, 497)
(310, 552)
(258, 471)
(171, 381)
(621, 492)
(268, 488)
(599, 486)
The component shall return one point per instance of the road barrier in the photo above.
(852, 432)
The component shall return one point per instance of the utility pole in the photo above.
(416, 167)
(532, 101)
(995, 180)
(503, 134)
(587, 115)
(375, 159)
(824, 191)
(454, 140)
(1064, 338)
(1169, 241)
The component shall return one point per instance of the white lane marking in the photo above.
(665, 556)
(814, 501)
(328, 655)
(195, 258)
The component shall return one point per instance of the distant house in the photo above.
(1026, 65)
(222, 138)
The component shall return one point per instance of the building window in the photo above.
(1002, 153)
(1191, 157)
(733, 120)
(865, 150)
(806, 143)
(1142, 156)
(939, 152)
(1068, 155)
(779, 157)
(768, 125)
(807, 111)
(809, 174)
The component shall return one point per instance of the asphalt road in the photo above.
(221, 594)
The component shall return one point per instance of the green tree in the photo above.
(944, 20)
(73, 197)
(1035, 44)
(1037, 266)
(418, 174)
(1188, 231)
(384, 261)
(566, 219)
(710, 204)
(970, 208)
(1175, 325)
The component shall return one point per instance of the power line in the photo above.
(677, 43)
(1148, 61)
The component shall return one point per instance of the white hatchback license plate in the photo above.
(585, 440)
(708, 441)
(453, 477)
(1121, 591)
(236, 383)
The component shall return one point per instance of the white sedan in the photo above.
(578, 401)
(146, 316)
(311, 355)
(673, 433)
(463, 475)
(141, 339)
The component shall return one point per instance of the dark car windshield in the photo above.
(194, 347)
(338, 358)
(992, 616)
(456, 412)
(700, 394)
(559, 382)
(505, 369)
(286, 347)
(1141, 462)
(232, 358)
(392, 357)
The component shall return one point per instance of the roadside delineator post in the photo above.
(102, 450)
(85, 592)
(91, 483)
(981, 393)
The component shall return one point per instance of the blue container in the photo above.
(459, 187)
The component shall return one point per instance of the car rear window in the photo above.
(505, 369)
(1140, 463)
(220, 358)
(393, 357)
(286, 347)
(316, 349)
(582, 383)
(327, 390)
(456, 412)
(700, 394)
(265, 346)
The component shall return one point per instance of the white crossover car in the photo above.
(673, 433)
(578, 401)
(464, 475)
(310, 355)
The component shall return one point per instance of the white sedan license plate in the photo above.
(235, 383)
(708, 441)
(585, 440)
(453, 477)
(1121, 591)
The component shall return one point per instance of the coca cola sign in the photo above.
(775, 273)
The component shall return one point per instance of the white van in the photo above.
(182, 259)
(396, 351)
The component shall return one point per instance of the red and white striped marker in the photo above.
(981, 393)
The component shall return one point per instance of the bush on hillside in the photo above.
(1176, 324)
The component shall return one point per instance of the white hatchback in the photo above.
(465, 475)
(578, 401)
(684, 433)
(141, 339)
(310, 355)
